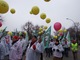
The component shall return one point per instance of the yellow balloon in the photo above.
(40, 29)
(46, 0)
(12, 11)
(25, 32)
(48, 20)
(65, 30)
(1, 30)
(41, 32)
(10, 33)
(4, 7)
(60, 30)
(30, 12)
(43, 16)
(35, 10)
(58, 34)
(45, 27)
(55, 37)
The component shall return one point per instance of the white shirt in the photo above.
(32, 54)
(51, 44)
(55, 53)
(24, 44)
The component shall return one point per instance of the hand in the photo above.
(57, 50)
(34, 47)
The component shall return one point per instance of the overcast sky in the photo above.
(57, 10)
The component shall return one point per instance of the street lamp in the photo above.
(74, 26)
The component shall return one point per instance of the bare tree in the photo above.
(31, 29)
(28, 27)
(75, 31)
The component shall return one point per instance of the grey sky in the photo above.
(57, 10)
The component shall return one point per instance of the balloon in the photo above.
(30, 12)
(1, 30)
(45, 27)
(43, 16)
(60, 30)
(35, 10)
(25, 32)
(40, 29)
(55, 37)
(58, 34)
(39, 32)
(61, 34)
(46, 0)
(65, 30)
(0, 24)
(48, 20)
(57, 26)
(12, 11)
(10, 33)
(4, 7)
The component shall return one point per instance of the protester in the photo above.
(2, 51)
(6, 42)
(66, 47)
(74, 48)
(46, 44)
(24, 43)
(57, 51)
(41, 44)
(16, 49)
(33, 50)
(51, 43)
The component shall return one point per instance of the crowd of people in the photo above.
(17, 47)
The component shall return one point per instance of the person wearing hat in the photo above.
(74, 48)
(16, 49)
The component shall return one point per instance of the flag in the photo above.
(16, 31)
(62, 38)
(27, 37)
(68, 36)
(47, 33)
(3, 32)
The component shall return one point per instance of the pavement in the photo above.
(64, 58)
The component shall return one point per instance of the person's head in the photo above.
(14, 38)
(74, 41)
(34, 39)
(21, 36)
(51, 40)
(39, 40)
(57, 42)
(65, 39)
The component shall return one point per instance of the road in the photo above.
(65, 58)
